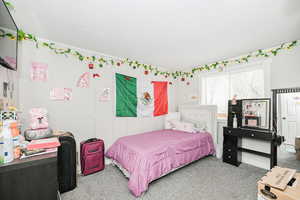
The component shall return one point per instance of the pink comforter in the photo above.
(150, 155)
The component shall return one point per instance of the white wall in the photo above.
(84, 115)
(284, 72)
(285, 69)
(185, 92)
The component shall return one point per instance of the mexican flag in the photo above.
(140, 98)
(126, 96)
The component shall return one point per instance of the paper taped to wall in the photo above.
(105, 95)
(39, 72)
(61, 94)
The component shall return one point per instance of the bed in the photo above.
(148, 156)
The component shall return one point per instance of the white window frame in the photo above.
(265, 65)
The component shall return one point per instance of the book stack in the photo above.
(40, 147)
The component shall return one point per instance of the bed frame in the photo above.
(201, 114)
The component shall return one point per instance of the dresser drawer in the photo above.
(230, 157)
(229, 149)
(230, 141)
(248, 133)
(257, 134)
(229, 131)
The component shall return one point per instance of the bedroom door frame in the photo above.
(289, 117)
(278, 139)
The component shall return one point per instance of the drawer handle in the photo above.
(252, 135)
(229, 150)
(229, 156)
(229, 131)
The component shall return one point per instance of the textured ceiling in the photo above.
(167, 33)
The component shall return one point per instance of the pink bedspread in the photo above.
(150, 155)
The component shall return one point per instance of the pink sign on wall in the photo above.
(61, 94)
(39, 72)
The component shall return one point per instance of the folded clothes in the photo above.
(37, 152)
(43, 144)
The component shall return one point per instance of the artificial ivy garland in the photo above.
(101, 61)
(93, 60)
(245, 59)
(9, 5)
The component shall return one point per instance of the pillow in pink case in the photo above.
(39, 118)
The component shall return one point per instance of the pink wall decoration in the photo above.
(61, 94)
(96, 75)
(10, 60)
(67, 94)
(57, 94)
(105, 95)
(84, 80)
(38, 118)
(39, 72)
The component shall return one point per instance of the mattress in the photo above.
(148, 156)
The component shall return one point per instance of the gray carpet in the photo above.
(206, 179)
(286, 159)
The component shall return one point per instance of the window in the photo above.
(245, 81)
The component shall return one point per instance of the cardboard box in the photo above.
(297, 147)
(298, 154)
(280, 184)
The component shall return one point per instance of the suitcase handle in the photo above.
(91, 140)
(94, 150)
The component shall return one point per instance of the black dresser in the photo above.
(232, 149)
(33, 178)
(232, 143)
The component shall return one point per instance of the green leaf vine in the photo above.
(102, 61)
(9, 5)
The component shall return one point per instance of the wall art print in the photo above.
(61, 94)
(39, 72)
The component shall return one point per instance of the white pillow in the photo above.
(201, 126)
(170, 124)
(183, 126)
(171, 117)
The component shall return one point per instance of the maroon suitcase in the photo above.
(92, 156)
